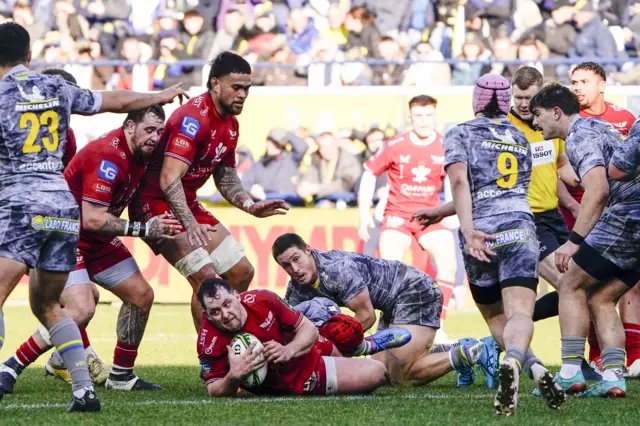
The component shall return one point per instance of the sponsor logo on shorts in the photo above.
(312, 382)
(511, 236)
(55, 224)
(189, 126)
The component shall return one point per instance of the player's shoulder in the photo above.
(634, 131)
(258, 296)
(108, 146)
(622, 111)
(189, 119)
(211, 341)
(397, 140)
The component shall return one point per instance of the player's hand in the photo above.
(268, 208)
(363, 230)
(167, 95)
(198, 234)
(477, 243)
(427, 216)
(276, 353)
(564, 254)
(240, 366)
(163, 226)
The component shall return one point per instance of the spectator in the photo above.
(321, 74)
(277, 171)
(433, 74)
(227, 36)
(466, 73)
(392, 17)
(503, 50)
(137, 77)
(389, 74)
(373, 140)
(259, 38)
(526, 16)
(332, 172)
(301, 32)
(23, 14)
(283, 75)
(335, 30)
(531, 50)
(363, 35)
(169, 73)
(196, 41)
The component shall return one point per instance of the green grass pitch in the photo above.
(167, 357)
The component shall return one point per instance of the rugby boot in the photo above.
(489, 361)
(466, 376)
(9, 372)
(51, 368)
(550, 390)
(606, 389)
(129, 382)
(97, 370)
(89, 402)
(506, 400)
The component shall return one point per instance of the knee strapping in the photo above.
(226, 255)
(193, 262)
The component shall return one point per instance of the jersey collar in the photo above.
(15, 70)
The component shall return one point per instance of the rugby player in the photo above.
(489, 163)
(407, 297)
(298, 362)
(414, 163)
(103, 177)
(199, 141)
(601, 259)
(38, 213)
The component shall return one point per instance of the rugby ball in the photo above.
(239, 344)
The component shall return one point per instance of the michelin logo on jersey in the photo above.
(55, 224)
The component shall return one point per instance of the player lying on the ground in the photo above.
(200, 141)
(600, 261)
(489, 163)
(103, 177)
(346, 333)
(298, 363)
(38, 212)
(407, 297)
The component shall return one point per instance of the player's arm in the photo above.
(230, 187)
(565, 199)
(365, 197)
(625, 160)
(97, 218)
(173, 170)
(239, 367)
(363, 309)
(121, 101)
(430, 215)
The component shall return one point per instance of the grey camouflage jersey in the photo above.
(343, 275)
(35, 113)
(592, 142)
(498, 159)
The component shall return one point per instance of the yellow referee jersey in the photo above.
(543, 189)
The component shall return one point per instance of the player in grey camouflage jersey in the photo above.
(601, 260)
(39, 218)
(407, 297)
(489, 163)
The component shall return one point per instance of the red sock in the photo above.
(29, 351)
(85, 338)
(447, 292)
(124, 356)
(594, 346)
(632, 334)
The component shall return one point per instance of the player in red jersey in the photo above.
(103, 177)
(298, 362)
(199, 141)
(414, 162)
(588, 82)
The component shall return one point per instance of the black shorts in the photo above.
(551, 230)
(601, 268)
(493, 294)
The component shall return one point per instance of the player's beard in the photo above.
(230, 109)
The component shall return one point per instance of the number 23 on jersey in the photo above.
(33, 122)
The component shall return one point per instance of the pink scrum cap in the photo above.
(484, 89)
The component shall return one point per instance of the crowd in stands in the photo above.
(323, 42)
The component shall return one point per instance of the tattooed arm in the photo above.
(173, 170)
(97, 218)
(230, 187)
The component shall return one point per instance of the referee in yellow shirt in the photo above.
(548, 158)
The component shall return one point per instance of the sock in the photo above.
(632, 344)
(447, 291)
(66, 338)
(516, 355)
(457, 358)
(57, 360)
(572, 356)
(28, 352)
(85, 339)
(546, 306)
(1, 328)
(365, 348)
(124, 357)
(594, 346)
(530, 359)
(612, 363)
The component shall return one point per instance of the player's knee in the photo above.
(81, 314)
(96, 294)
(241, 275)
(599, 301)
(144, 299)
(379, 374)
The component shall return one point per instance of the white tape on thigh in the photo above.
(227, 255)
(45, 335)
(193, 262)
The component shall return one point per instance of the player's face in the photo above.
(547, 120)
(298, 264)
(423, 120)
(231, 91)
(588, 87)
(146, 134)
(521, 99)
(225, 311)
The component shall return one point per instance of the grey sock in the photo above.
(516, 355)
(1, 328)
(573, 350)
(65, 336)
(613, 359)
(529, 359)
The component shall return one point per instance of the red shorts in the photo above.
(323, 379)
(145, 211)
(324, 345)
(568, 218)
(412, 229)
(107, 264)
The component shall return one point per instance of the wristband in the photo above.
(576, 238)
(135, 229)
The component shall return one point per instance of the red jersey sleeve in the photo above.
(70, 148)
(183, 133)
(287, 318)
(380, 162)
(100, 176)
(212, 353)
